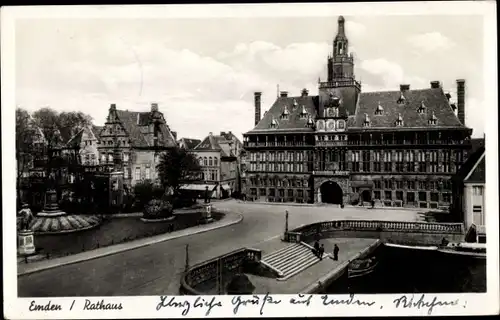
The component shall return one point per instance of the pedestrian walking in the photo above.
(321, 251)
(316, 247)
(336, 252)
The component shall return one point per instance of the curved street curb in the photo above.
(122, 247)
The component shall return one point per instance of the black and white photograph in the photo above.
(250, 160)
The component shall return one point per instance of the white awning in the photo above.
(198, 187)
(225, 187)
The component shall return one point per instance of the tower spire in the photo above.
(340, 30)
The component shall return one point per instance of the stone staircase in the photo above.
(291, 260)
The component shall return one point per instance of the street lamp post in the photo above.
(186, 267)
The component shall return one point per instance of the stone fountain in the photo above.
(52, 220)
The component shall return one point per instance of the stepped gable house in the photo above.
(131, 141)
(398, 147)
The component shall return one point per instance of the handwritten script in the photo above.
(409, 301)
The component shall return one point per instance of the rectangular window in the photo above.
(399, 185)
(271, 192)
(477, 191)
(148, 173)
(125, 174)
(446, 197)
(477, 209)
(262, 192)
(411, 185)
(399, 195)
(376, 195)
(388, 195)
(290, 193)
(410, 197)
(422, 196)
(137, 173)
(434, 196)
(300, 193)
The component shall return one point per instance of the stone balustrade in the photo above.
(208, 270)
(370, 228)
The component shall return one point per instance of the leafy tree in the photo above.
(177, 168)
(24, 145)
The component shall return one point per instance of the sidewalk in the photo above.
(229, 219)
(326, 205)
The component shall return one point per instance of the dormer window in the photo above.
(295, 104)
(274, 123)
(401, 99)
(399, 121)
(366, 122)
(433, 119)
(303, 113)
(380, 110)
(422, 108)
(285, 114)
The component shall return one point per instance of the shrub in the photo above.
(143, 192)
(157, 209)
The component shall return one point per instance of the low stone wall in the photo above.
(416, 233)
(208, 270)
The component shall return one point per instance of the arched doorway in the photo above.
(331, 192)
(366, 196)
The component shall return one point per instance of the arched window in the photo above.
(200, 159)
(110, 157)
(205, 161)
(103, 158)
(215, 162)
(210, 163)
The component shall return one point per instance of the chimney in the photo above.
(284, 94)
(257, 106)
(112, 107)
(448, 96)
(210, 133)
(461, 100)
(138, 118)
(305, 92)
(404, 87)
(222, 133)
(435, 84)
(154, 107)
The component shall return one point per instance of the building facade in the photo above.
(399, 148)
(133, 141)
(469, 189)
(219, 160)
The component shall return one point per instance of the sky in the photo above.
(203, 71)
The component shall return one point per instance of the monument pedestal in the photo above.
(26, 242)
(51, 208)
(207, 213)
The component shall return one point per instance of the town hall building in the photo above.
(399, 148)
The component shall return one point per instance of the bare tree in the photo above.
(24, 145)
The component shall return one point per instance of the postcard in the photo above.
(250, 160)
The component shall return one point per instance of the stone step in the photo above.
(291, 260)
(276, 253)
(287, 253)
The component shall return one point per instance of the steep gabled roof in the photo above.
(294, 121)
(129, 122)
(190, 143)
(433, 101)
(473, 170)
(76, 140)
(210, 143)
(97, 131)
(476, 143)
